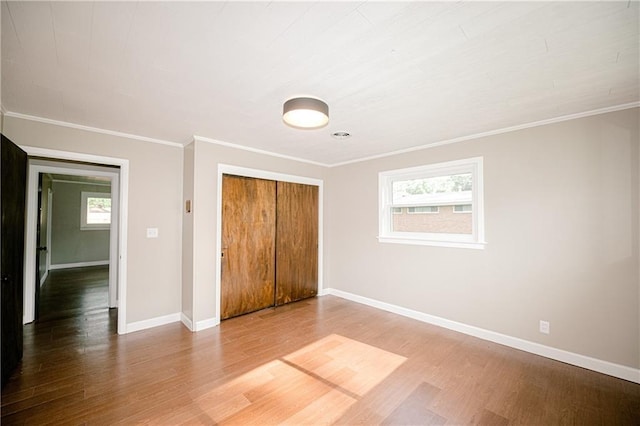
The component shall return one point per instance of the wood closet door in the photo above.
(248, 245)
(296, 242)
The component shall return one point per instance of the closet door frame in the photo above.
(263, 174)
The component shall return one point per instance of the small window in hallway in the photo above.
(96, 210)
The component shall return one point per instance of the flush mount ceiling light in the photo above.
(305, 113)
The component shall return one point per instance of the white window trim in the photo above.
(385, 182)
(84, 226)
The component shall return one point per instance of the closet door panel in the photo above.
(248, 245)
(296, 242)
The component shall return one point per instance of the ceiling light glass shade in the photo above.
(305, 113)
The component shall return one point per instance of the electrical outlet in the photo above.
(152, 232)
(544, 327)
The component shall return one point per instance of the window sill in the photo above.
(434, 243)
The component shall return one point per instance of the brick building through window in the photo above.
(435, 213)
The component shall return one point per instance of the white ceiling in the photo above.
(396, 75)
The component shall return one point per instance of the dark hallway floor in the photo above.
(74, 320)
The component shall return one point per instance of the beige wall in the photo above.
(207, 157)
(556, 251)
(155, 193)
(187, 233)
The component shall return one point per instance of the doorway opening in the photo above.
(74, 227)
(78, 167)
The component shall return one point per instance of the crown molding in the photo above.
(257, 151)
(494, 132)
(91, 129)
(316, 163)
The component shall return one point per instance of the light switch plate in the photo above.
(152, 232)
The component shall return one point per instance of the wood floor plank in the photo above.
(414, 409)
(342, 363)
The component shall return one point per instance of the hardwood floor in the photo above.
(318, 361)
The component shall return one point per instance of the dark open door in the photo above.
(297, 242)
(13, 162)
(248, 245)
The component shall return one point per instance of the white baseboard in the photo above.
(152, 322)
(168, 319)
(200, 325)
(186, 321)
(606, 367)
(324, 292)
(208, 323)
(44, 278)
(79, 264)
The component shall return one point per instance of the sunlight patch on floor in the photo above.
(313, 385)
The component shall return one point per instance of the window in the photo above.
(397, 210)
(423, 209)
(95, 210)
(443, 188)
(462, 208)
